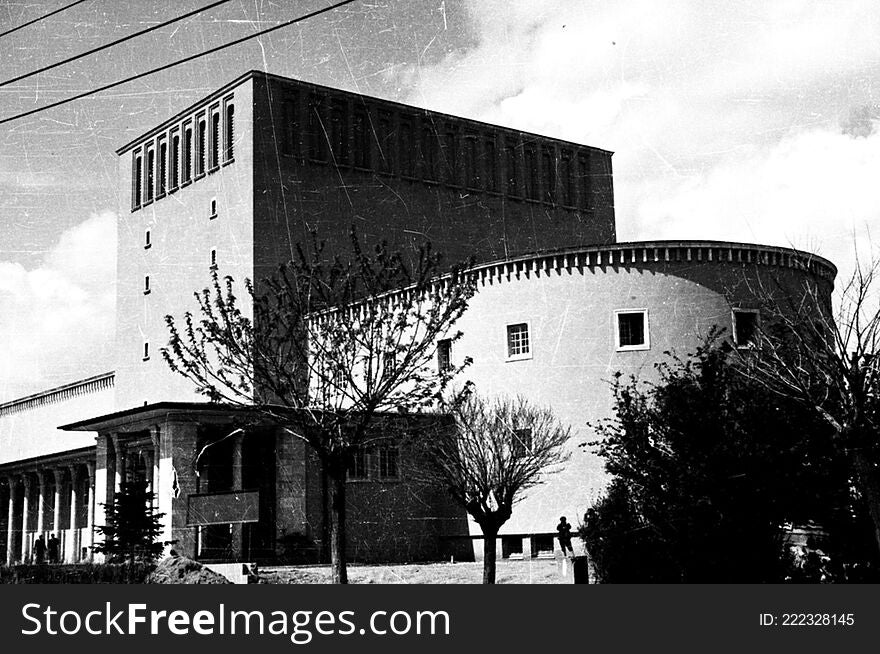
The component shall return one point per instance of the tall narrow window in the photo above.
(339, 132)
(565, 179)
(151, 172)
(215, 139)
(163, 167)
(201, 144)
(213, 213)
(584, 183)
(450, 150)
(361, 139)
(471, 163)
(491, 172)
(137, 175)
(174, 173)
(531, 171)
(187, 155)
(510, 160)
(444, 355)
(387, 455)
(429, 153)
(385, 136)
(548, 170)
(147, 242)
(146, 285)
(357, 465)
(291, 129)
(146, 350)
(317, 139)
(213, 258)
(745, 327)
(406, 148)
(230, 132)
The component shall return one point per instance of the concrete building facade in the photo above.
(239, 179)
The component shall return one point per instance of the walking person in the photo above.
(40, 550)
(54, 546)
(564, 529)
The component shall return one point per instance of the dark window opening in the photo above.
(631, 329)
(147, 243)
(361, 140)
(429, 154)
(317, 138)
(151, 166)
(291, 128)
(585, 185)
(146, 284)
(531, 170)
(339, 132)
(510, 156)
(406, 149)
(450, 151)
(146, 351)
(187, 154)
(548, 166)
(471, 163)
(137, 174)
(163, 166)
(175, 161)
(491, 173)
(200, 145)
(215, 140)
(511, 547)
(357, 465)
(745, 327)
(444, 355)
(230, 131)
(388, 455)
(385, 140)
(566, 181)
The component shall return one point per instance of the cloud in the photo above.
(57, 321)
(747, 120)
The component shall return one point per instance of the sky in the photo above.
(743, 120)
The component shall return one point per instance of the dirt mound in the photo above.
(181, 570)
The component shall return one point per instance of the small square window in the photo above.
(444, 355)
(631, 329)
(518, 341)
(745, 327)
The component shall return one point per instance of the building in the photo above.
(236, 181)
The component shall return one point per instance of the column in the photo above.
(237, 528)
(103, 481)
(72, 542)
(41, 501)
(26, 483)
(119, 456)
(90, 509)
(56, 509)
(10, 525)
(154, 481)
(177, 481)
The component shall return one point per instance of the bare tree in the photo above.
(497, 450)
(331, 345)
(830, 363)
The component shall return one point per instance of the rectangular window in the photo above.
(584, 183)
(137, 177)
(147, 242)
(386, 135)
(444, 355)
(163, 167)
(230, 132)
(317, 139)
(388, 456)
(146, 285)
(521, 443)
(631, 329)
(548, 169)
(389, 362)
(357, 466)
(745, 327)
(565, 179)
(151, 173)
(511, 547)
(518, 342)
(489, 159)
(215, 139)
(450, 152)
(291, 128)
(542, 546)
(361, 139)
(187, 155)
(174, 172)
(339, 132)
(510, 160)
(531, 171)
(471, 163)
(213, 258)
(146, 350)
(429, 154)
(201, 144)
(213, 213)
(405, 150)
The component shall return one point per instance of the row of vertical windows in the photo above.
(337, 132)
(183, 154)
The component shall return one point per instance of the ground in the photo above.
(530, 571)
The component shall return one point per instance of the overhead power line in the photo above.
(112, 43)
(37, 20)
(198, 55)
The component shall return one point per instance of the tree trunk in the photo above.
(489, 536)
(337, 529)
(869, 486)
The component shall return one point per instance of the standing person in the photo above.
(40, 550)
(564, 529)
(54, 544)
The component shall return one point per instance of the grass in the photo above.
(530, 571)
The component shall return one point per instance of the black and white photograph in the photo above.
(545, 292)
